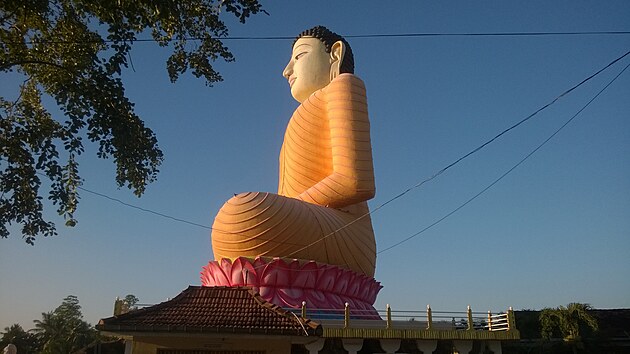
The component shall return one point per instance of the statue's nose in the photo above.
(288, 70)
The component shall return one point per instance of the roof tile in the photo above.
(212, 309)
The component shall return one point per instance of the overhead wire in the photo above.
(493, 183)
(441, 171)
(509, 170)
(372, 35)
(408, 190)
(144, 209)
(445, 34)
(475, 150)
(105, 196)
(435, 175)
(505, 173)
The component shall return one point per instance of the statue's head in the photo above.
(318, 56)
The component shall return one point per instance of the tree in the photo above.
(74, 52)
(569, 322)
(25, 342)
(64, 330)
(131, 301)
(125, 305)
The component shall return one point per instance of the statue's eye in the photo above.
(299, 55)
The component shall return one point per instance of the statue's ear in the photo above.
(337, 51)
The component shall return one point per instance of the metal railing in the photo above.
(402, 319)
(391, 319)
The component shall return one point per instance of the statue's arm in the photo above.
(352, 179)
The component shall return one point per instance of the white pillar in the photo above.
(495, 346)
(462, 346)
(390, 346)
(316, 346)
(427, 346)
(128, 347)
(352, 345)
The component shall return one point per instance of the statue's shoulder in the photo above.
(347, 81)
(347, 77)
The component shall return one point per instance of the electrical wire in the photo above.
(144, 209)
(368, 36)
(475, 150)
(419, 184)
(454, 34)
(157, 213)
(461, 206)
(508, 171)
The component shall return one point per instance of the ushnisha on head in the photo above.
(318, 56)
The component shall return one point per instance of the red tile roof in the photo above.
(212, 309)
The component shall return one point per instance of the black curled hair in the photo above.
(329, 38)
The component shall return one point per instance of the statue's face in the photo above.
(309, 68)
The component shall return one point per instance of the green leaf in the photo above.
(61, 54)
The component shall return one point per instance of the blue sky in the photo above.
(556, 230)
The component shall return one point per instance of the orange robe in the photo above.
(326, 178)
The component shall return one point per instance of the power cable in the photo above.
(475, 150)
(435, 175)
(438, 34)
(508, 171)
(144, 209)
(128, 204)
(496, 180)
(368, 36)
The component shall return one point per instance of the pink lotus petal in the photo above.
(205, 276)
(250, 274)
(266, 292)
(291, 297)
(287, 284)
(355, 287)
(226, 263)
(326, 278)
(218, 276)
(341, 282)
(236, 275)
(307, 276)
(259, 263)
(317, 300)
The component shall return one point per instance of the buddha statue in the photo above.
(326, 176)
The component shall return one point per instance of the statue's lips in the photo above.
(291, 81)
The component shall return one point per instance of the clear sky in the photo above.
(556, 230)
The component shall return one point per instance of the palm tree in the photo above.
(63, 330)
(24, 341)
(52, 333)
(567, 321)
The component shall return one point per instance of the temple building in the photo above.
(237, 320)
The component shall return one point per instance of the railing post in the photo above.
(389, 317)
(429, 318)
(489, 320)
(303, 309)
(470, 319)
(346, 316)
(510, 319)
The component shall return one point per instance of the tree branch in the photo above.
(5, 66)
